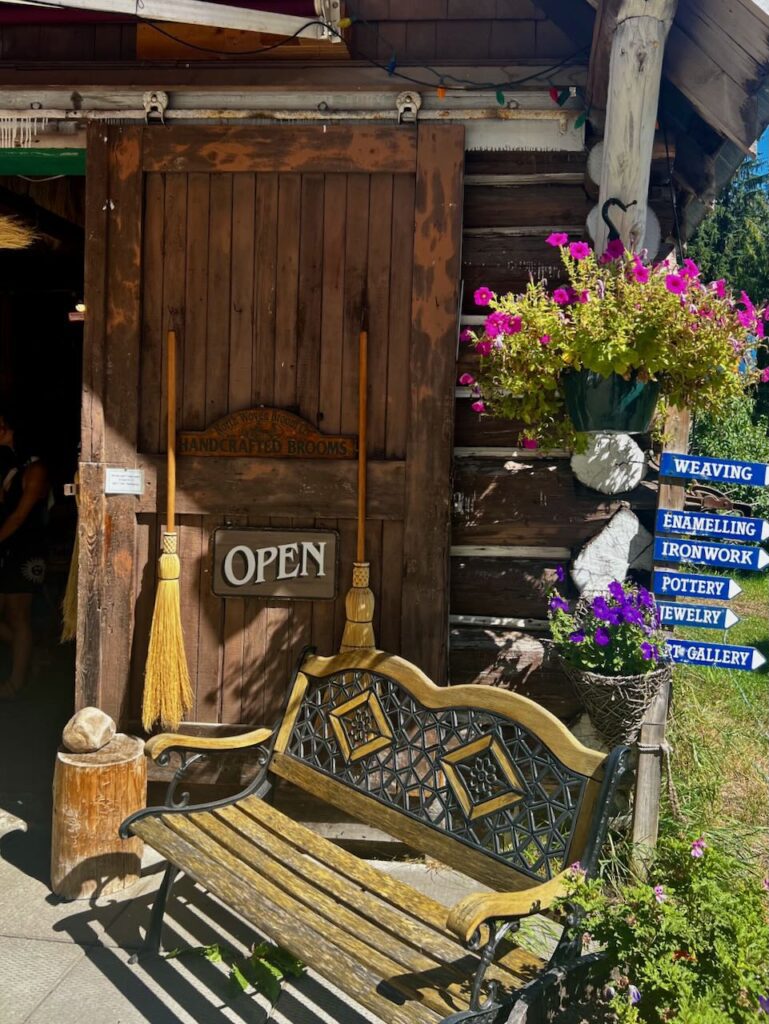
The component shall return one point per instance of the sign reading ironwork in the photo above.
(705, 655)
(713, 525)
(667, 549)
(295, 564)
(717, 471)
(685, 584)
(265, 433)
(701, 616)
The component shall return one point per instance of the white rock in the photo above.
(613, 463)
(89, 729)
(623, 544)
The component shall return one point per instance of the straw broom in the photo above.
(14, 234)
(167, 690)
(359, 604)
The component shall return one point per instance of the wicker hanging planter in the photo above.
(616, 704)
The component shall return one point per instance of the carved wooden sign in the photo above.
(296, 564)
(265, 433)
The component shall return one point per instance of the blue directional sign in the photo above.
(686, 584)
(717, 471)
(732, 556)
(704, 655)
(698, 615)
(706, 523)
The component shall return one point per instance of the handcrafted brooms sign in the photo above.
(265, 433)
(708, 552)
(298, 564)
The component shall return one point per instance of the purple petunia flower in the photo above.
(632, 615)
(577, 637)
(560, 573)
(763, 1003)
(649, 652)
(698, 847)
(644, 598)
(633, 995)
(659, 894)
(617, 591)
(557, 604)
(602, 638)
(765, 884)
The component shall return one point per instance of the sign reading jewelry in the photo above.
(295, 564)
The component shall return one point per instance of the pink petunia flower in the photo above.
(478, 406)
(698, 847)
(545, 339)
(615, 249)
(483, 296)
(765, 376)
(529, 442)
(557, 238)
(690, 269)
(583, 297)
(746, 300)
(579, 250)
(640, 272)
(483, 348)
(466, 336)
(467, 379)
(719, 287)
(659, 894)
(675, 284)
(765, 884)
(561, 297)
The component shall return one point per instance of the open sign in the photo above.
(295, 564)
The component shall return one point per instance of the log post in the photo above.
(646, 804)
(92, 794)
(635, 71)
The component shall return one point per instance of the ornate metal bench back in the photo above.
(470, 772)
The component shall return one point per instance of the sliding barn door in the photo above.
(262, 244)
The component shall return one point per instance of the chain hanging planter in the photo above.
(609, 404)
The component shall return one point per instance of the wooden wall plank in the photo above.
(283, 148)
(265, 264)
(90, 587)
(378, 302)
(208, 688)
(355, 283)
(242, 292)
(145, 583)
(152, 312)
(401, 278)
(309, 296)
(219, 303)
(505, 587)
(286, 297)
(233, 644)
(172, 311)
(97, 195)
(193, 413)
(437, 243)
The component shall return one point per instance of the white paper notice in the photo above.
(123, 481)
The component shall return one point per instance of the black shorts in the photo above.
(22, 566)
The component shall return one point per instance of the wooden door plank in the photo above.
(97, 206)
(172, 313)
(283, 148)
(193, 415)
(219, 295)
(189, 531)
(233, 640)
(277, 650)
(378, 301)
(152, 313)
(310, 293)
(145, 584)
(210, 631)
(356, 258)
(287, 285)
(266, 248)
(401, 274)
(242, 304)
(437, 243)
(90, 586)
(389, 595)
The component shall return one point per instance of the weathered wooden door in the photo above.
(263, 243)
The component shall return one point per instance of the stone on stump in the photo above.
(92, 794)
(623, 544)
(612, 464)
(88, 729)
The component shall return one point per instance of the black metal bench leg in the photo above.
(488, 1010)
(152, 942)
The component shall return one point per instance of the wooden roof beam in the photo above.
(637, 47)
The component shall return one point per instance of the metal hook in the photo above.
(613, 233)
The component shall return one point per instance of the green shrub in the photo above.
(734, 434)
(691, 946)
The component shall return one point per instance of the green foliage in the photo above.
(693, 940)
(263, 969)
(614, 634)
(617, 316)
(736, 433)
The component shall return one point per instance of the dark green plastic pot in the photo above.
(609, 404)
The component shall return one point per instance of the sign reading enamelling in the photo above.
(265, 433)
(298, 564)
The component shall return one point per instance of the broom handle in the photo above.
(171, 461)
(362, 420)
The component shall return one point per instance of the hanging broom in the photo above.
(359, 604)
(14, 234)
(69, 601)
(167, 691)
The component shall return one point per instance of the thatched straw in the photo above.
(14, 234)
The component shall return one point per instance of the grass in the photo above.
(719, 732)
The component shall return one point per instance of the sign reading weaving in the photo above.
(721, 471)
(294, 564)
(265, 433)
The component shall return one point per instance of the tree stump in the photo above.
(92, 794)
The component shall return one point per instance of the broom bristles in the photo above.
(167, 689)
(359, 607)
(69, 601)
(14, 234)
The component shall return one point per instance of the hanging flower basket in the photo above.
(616, 705)
(609, 404)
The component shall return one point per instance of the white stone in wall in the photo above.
(623, 544)
(612, 464)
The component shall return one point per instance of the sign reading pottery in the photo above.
(295, 564)
(712, 525)
(700, 616)
(717, 471)
(686, 584)
(265, 433)
(731, 556)
(694, 652)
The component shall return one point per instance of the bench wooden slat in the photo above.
(443, 986)
(305, 937)
(310, 875)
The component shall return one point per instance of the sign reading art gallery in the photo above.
(265, 433)
(295, 564)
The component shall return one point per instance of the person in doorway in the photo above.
(24, 487)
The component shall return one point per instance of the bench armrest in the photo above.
(158, 745)
(471, 912)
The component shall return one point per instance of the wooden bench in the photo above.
(483, 780)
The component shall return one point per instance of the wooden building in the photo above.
(258, 201)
